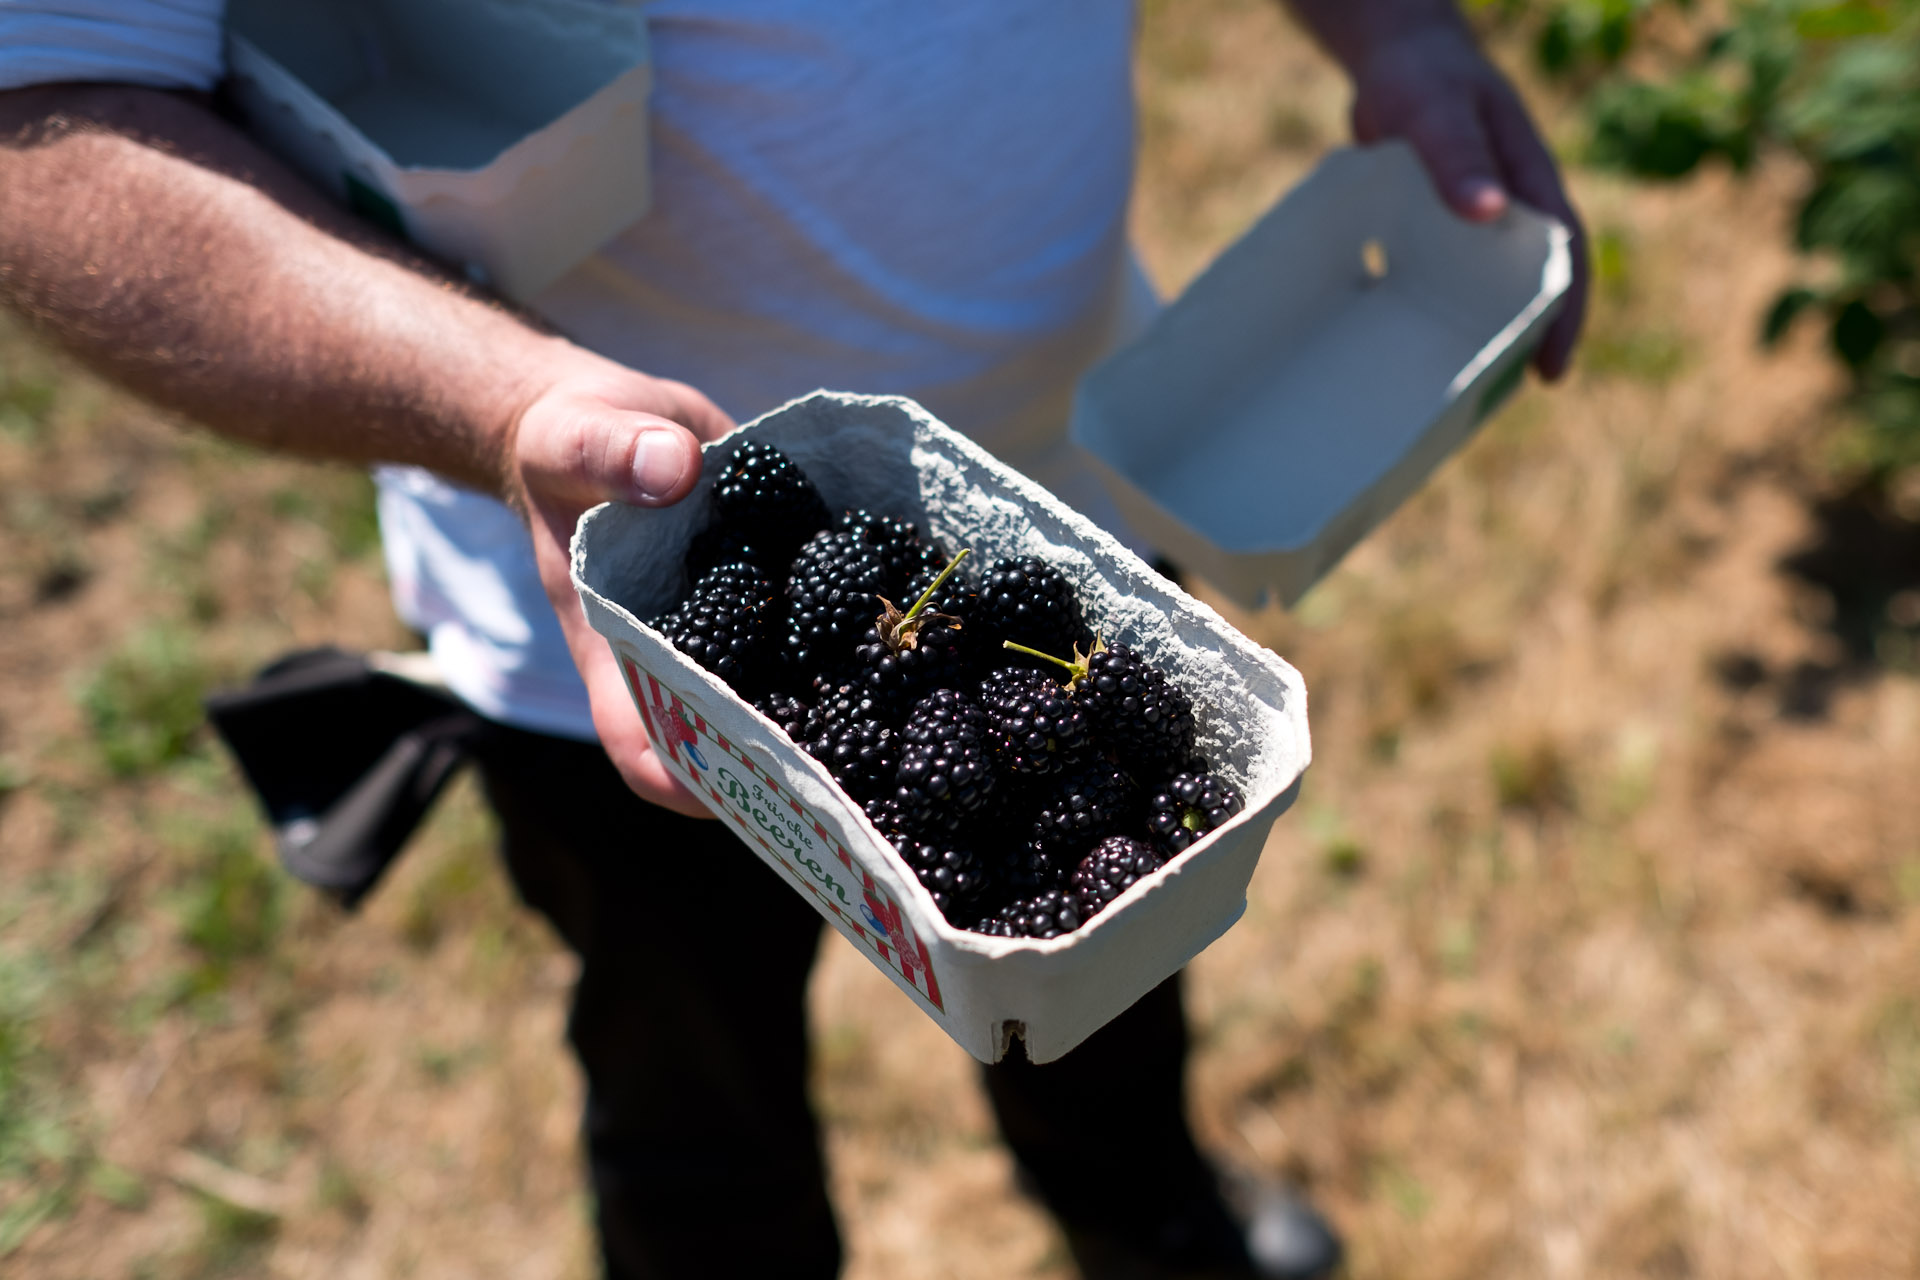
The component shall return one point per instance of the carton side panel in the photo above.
(753, 791)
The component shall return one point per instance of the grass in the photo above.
(228, 906)
(28, 392)
(1533, 777)
(232, 1240)
(43, 1152)
(142, 703)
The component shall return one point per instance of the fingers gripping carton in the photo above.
(890, 455)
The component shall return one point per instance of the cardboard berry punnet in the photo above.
(889, 455)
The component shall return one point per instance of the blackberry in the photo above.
(1037, 726)
(946, 767)
(851, 736)
(1096, 799)
(908, 655)
(889, 818)
(761, 492)
(833, 597)
(900, 546)
(954, 874)
(954, 592)
(1029, 868)
(1028, 601)
(958, 598)
(720, 544)
(1138, 712)
(1187, 806)
(790, 712)
(1142, 717)
(1044, 915)
(1110, 870)
(727, 624)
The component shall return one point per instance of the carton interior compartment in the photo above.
(440, 84)
(1313, 355)
(858, 456)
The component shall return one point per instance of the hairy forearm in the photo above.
(1352, 29)
(155, 242)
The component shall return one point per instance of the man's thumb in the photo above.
(664, 464)
(595, 453)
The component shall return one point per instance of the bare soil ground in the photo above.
(1592, 948)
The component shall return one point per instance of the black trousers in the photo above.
(689, 1021)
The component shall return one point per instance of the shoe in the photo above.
(1251, 1229)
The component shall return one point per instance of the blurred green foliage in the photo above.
(229, 906)
(1670, 85)
(342, 503)
(41, 1151)
(26, 402)
(143, 702)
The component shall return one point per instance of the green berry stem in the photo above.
(1076, 670)
(945, 573)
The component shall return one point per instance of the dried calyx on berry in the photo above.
(912, 652)
(901, 632)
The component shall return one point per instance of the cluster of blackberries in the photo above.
(1028, 773)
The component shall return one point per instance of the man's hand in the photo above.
(605, 433)
(1418, 75)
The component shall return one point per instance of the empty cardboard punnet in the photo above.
(507, 139)
(889, 455)
(1318, 372)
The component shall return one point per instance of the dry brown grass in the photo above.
(1592, 948)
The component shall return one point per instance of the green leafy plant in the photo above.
(1835, 87)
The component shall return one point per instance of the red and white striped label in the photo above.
(748, 796)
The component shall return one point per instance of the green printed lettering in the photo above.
(773, 829)
(820, 874)
(736, 789)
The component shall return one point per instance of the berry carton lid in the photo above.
(509, 140)
(1314, 376)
